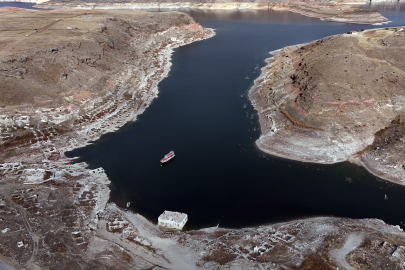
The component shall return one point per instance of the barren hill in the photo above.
(336, 99)
(91, 71)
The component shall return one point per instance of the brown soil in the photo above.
(91, 54)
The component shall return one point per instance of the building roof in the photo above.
(173, 216)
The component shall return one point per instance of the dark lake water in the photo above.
(218, 175)
(17, 4)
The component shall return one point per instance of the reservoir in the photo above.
(17, 4)
(203, 114)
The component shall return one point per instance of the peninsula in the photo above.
(336, 99)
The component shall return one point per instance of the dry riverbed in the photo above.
(83, 74)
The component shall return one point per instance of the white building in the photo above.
(32, 176)
(172, 220)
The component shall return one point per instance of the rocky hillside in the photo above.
(86, 73)
(66, 78)
(336, 99)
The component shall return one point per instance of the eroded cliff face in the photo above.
(336, 99)
(339, 11)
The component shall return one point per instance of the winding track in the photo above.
(6, 50)
(34, 237)
(5, 266)
(353, 240)
(27, 225)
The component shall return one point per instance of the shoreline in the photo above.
(37, 162)
(84, 134)
(343, 12)
(165, 63)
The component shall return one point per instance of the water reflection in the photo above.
(250, 15)
(393, 10)
(386, 6)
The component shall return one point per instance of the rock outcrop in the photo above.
(336, 99)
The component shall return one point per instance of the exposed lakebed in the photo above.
(203, 114)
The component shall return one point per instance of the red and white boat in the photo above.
(167, 157)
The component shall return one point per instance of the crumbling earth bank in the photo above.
(336, 99)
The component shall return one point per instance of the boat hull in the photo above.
(167, 157)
